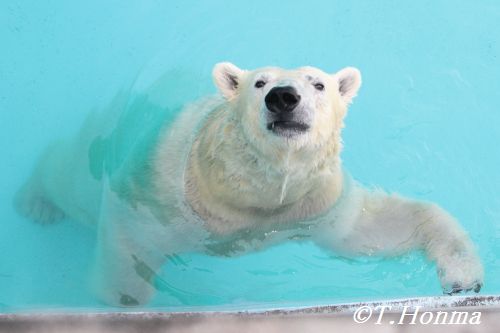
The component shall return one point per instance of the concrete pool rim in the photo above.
(446, 303)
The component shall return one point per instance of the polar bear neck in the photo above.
(231, 181)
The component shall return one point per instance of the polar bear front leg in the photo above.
(382, 224)
(124, 270)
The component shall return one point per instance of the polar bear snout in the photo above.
(282, 99)
(283, 115)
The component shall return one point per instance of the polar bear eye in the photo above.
(259, 84)
(319, 86)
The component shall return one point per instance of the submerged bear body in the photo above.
(255, 167)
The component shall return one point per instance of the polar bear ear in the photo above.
(349, 80)
(227, 78)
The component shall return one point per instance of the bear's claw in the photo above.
(456, 288)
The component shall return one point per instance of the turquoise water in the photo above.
(424, 124)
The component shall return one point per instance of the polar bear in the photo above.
(258, 165)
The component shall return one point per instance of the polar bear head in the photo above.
(288, 109)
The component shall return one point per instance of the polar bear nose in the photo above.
(282, 99)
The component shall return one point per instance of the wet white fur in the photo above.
(218, 172)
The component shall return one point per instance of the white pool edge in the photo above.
(484, 302)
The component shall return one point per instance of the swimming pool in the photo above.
(424, 125)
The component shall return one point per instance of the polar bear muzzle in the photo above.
(282, 100)
(283, 117)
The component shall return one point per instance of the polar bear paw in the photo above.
(457, 288)
(461, 274)
(118, 295)
(31, 203)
